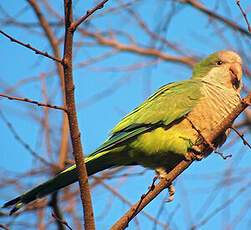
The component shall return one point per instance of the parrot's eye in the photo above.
(219, 62)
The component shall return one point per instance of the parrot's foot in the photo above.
(194, 154)
(162, 174)
(171, 191)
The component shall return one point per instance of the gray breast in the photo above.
(215, 105)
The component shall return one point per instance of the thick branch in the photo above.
(73, 122)
(164, 183)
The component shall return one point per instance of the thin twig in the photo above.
(24, 99)
(23, 143)
(137, 49)
(56, 213)
(224, 157)
(241, 135)
(221, 207)
(27, 45)
(231, 24)
(244, 14)
(99, 6)
(53, 41)
(63, 222)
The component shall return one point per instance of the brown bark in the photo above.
(73, 122)
(165, 182)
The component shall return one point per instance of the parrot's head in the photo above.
(223, 67)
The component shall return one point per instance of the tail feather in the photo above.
(63, 179)
(94, 164)
(11, 202)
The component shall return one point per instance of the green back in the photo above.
(170, 103)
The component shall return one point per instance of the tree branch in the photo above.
(57, 212)
(63, 150)
(132, 48)
(24, 99)
(12, 39)
(75, 24)
(244, 15)
(73, 122)
(172, 175)
(199, 6)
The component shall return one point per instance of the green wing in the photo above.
(169, 103)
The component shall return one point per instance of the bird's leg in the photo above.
(162, 174)
(194, 154)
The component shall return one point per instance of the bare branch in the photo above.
(163, 184)
(21, 141)
(199, 6)
(238, 2)
(24, 99)
(241, 135)
(132, 48)
(99, 6)
(221, 207)
(224, 157)
(57, 214)
(56, 51)
(172, 175)
(73, 121)
(124, 200)
(27, 45)
(62, 222)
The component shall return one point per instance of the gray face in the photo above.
(227, 70)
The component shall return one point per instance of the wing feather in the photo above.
(171, 102)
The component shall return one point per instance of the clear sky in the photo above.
(107, 90)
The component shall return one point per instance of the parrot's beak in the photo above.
(236, 75)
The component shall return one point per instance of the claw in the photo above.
(161, 173)
(194, 154)
(171, 191)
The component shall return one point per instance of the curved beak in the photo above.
(236, 69)
(236, 75)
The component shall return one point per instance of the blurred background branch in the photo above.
(124, 53)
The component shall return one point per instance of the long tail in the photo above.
(94, 164)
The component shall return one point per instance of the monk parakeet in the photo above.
(159, 133)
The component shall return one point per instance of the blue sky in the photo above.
(192, 32)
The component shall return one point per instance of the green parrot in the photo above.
(159, 133)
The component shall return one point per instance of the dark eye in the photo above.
(219, 63)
